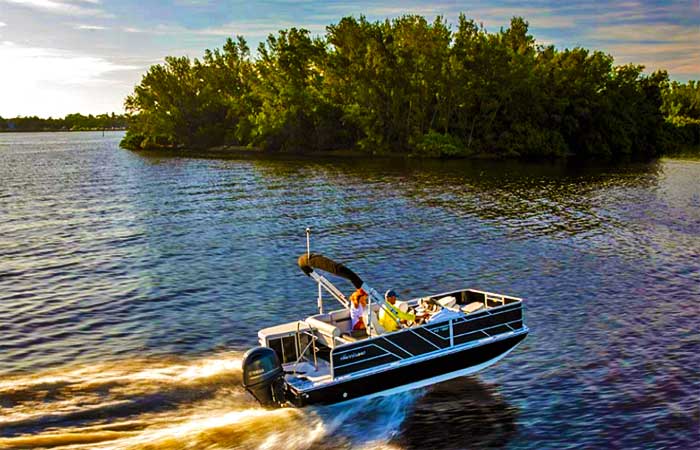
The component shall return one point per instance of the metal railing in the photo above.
(301, 353)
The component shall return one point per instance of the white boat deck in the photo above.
(304, 375)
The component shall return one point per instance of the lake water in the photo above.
(131, 285)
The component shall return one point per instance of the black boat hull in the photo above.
(441, 367)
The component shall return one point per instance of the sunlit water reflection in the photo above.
(130, 285)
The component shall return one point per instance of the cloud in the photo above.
(257, 28)
(156, 30)
(250, 28)
(396, 11)
(542, 18)
(647, 33)
(192, 2)
(31, 67)
(668, 46)
(676, 58)
(76, 8)
(48, 81)
(90, 27)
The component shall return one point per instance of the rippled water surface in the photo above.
(131, 285)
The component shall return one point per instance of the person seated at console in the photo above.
(390, 316)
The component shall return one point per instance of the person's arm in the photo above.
(405, 315)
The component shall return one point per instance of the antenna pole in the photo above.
(308, 242)
(319, 302)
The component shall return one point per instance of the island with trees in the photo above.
(412, 87)
(72, 122)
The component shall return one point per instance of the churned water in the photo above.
(131, 285)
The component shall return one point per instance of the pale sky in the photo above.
(63, 56)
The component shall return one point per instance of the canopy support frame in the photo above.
(330, 288)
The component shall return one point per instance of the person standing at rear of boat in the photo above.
(390, 315)
(358, 303)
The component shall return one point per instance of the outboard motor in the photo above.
(263, 376)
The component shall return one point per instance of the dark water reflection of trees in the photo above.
(534, 199)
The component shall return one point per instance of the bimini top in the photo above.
(308, 263)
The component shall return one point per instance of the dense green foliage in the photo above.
(681, 106)
(682, 102)
(407, 86)
(72, 122)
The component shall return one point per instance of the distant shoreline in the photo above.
(62, 131)
(71, 122)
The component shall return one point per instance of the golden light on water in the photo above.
(143, 405)
(201, 428)
(147, 405)
(129, 371)
(249, 428)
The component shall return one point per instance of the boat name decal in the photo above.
(353, 355)
(441, 329)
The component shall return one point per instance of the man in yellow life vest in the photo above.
(390, 315)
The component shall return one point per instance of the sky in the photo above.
(64, 56)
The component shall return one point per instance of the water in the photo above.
(131, 285)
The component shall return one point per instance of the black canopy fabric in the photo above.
(308, 263)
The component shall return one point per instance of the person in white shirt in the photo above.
(358, 303)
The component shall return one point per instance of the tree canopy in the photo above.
(412, 87)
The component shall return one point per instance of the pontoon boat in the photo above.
(319, 361)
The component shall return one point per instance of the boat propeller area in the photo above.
(263, 376)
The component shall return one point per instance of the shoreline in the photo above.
(687, 158)
(243, 152)
(233, 151)
(63, 131)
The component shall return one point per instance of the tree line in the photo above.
(413, 87)
(71, 122)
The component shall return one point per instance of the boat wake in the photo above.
(198, 404)
(170, 404)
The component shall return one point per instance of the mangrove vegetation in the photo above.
(71, 122)
(414, 87)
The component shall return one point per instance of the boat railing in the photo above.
(492, 299)
(427, 339)
(312, 343)
(493, 311)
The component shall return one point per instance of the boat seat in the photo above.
(448, 302)
(354, 337)
(472, 307)
(341, 319)
(327, 333)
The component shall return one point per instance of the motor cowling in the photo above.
(263, 376)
